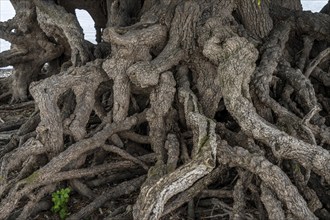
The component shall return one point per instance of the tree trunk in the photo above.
(183, 109)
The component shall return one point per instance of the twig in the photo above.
(124, 188)
(316, 61)
(125, 155)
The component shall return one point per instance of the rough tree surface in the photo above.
(208, 109)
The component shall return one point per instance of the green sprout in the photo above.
(60, 199)
(259, 3)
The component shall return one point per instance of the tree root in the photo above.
(147, 133)
(237, 102)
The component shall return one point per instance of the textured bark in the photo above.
(291, 4)
(273, 206)
(30, 48)
(155, 193)
(269, 174)
(183, 109)
(256, 19)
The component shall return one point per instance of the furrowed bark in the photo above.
(237, 99)
(270, 174)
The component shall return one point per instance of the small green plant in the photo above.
(60, 199)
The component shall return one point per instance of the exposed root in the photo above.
(196, 112)
(271, 203)
(271, 175)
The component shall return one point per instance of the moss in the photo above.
(2, 179)
(32, 177)
(157, 171)
(296, 168)
(204, 140)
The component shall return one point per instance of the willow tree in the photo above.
(183, 109)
